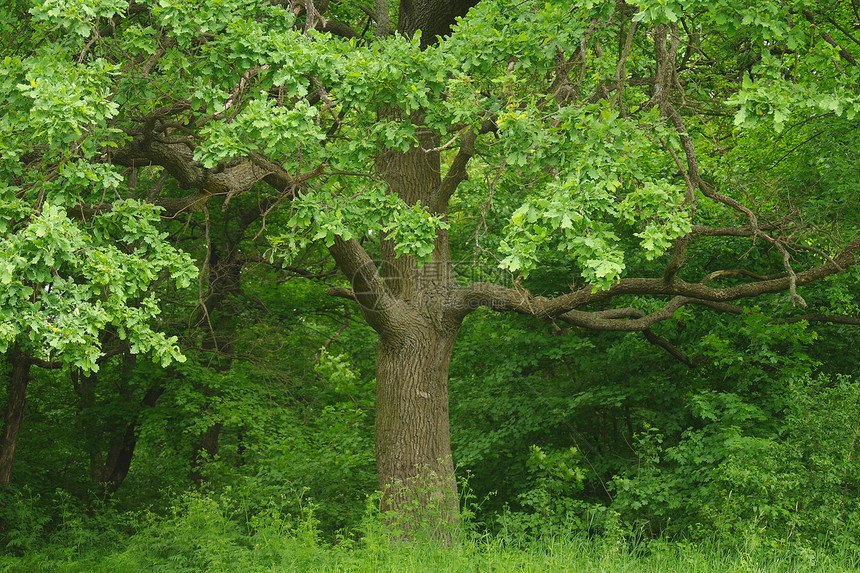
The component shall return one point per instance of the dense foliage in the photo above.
(237, 239)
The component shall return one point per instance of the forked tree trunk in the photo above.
(416, 339)
(15, 402)
(109, 466)
(413, 444)
(112, 473)
(410, 310)
(121, 452)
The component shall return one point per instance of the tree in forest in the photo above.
(76, 282)
(75, 292)
(602, 141)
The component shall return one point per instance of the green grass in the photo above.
(205, 534)
(174, 551)
(562, 555)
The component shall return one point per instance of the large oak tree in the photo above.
(595, 137)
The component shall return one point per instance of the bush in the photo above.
(747, 473)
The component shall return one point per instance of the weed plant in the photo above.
(211, 533)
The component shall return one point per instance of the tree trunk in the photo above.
(413, 444)
(416, 339)
(121, 451)
(416, 314)
(224, 266)
(111, 442)
(432, 17)
(204, 449)
(15, 402)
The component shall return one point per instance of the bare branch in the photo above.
(42, 363)
(676, 259)
(457, 172)
(632, 320)
(666, 59)
(620, 68)
(296, 270)
(668, 347)
(818, 317)
(561, 89)
(829, 39)
(341, 292)
(337, 28)
(694, 176)
(740, 231)
(840, 28)
(738, 273)
(501, 298)
(367, 287)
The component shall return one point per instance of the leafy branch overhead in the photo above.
(605, 155)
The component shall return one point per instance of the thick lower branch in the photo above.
(632, 320)
(501, 298)
(367, 287)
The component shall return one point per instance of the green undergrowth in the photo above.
(207, 533)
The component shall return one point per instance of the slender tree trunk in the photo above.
(109, 466)
(111, 475)
(16, 400)
(204, 450)
(225, 283)
(121, 451)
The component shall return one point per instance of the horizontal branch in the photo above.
(341, 292)
(739, 273)
(177, 159)
(521, 301)
(818, 317)
(632, 320)
(739, 231)
(42, 363)
(172, 206)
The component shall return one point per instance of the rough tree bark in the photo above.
(413, 445)
(417, 321)
(410, 308)
(432, 17)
